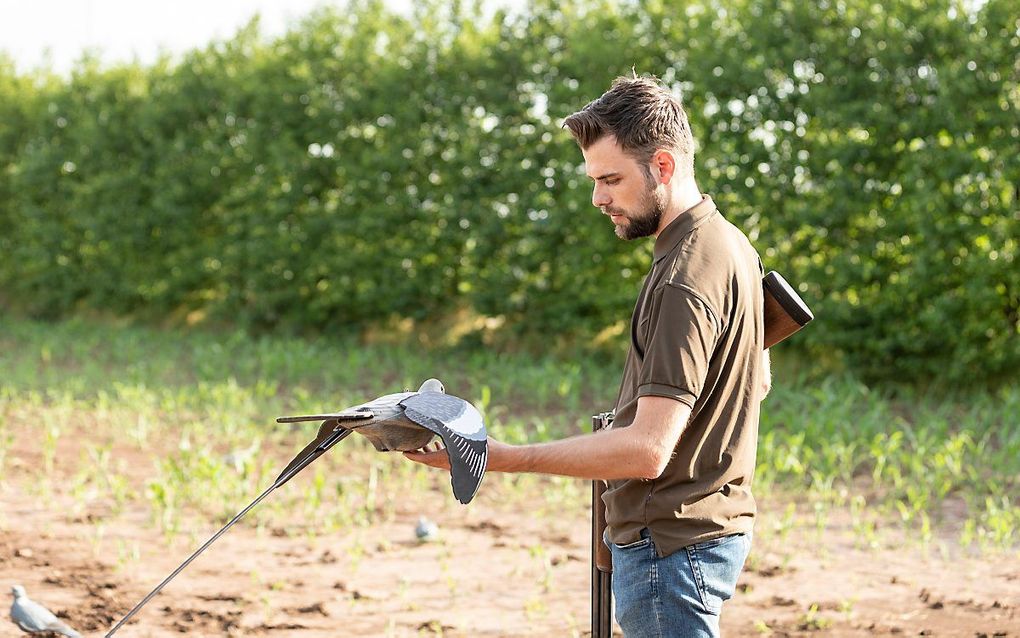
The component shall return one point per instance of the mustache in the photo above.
(613, 210)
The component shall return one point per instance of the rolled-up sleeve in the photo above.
(680, 338)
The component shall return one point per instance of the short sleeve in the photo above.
(679, 341)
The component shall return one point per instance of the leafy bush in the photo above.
(367, 166)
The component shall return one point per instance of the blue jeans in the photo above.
(680, 595)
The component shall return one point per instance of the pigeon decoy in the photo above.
(408, 421)
(426, 530)
(404, 421)
(33, 618)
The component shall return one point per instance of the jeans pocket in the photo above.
(638, 544)
(716, 565)
(634, 578)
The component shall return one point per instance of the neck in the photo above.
(685, 196)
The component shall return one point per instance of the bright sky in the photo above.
(121, 30)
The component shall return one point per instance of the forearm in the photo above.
(610, 454)
(641, 450)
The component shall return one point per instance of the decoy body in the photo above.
(408, 421)
(33, 618)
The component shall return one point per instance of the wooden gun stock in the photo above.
(785, 311)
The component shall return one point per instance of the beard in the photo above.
(644, 222)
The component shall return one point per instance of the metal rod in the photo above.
(335, 437)
(188, 561)
(605, 604)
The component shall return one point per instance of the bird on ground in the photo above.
(239, 458)
(426, 530)
(408, 421)
(33, 618)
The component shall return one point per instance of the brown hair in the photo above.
(643, 116)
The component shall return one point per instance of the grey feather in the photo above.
(453, 412)
(461, 427)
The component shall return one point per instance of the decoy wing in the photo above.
(327, 428)
(461, 427)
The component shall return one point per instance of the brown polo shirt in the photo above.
(697, 337)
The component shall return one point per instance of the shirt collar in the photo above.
(682, 226)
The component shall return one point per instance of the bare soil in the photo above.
(499, 568)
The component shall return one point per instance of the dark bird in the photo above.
(408, 421)
(33, 618)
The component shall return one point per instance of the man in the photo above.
(680, 455)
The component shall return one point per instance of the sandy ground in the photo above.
(492, 573)
(499, 568)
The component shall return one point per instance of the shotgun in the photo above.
(601, 559)
(784, 314)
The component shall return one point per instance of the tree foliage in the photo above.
(367, 165)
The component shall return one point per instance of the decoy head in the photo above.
(432, 385)
(18, 591)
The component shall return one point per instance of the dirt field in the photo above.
(503, 566)
(494, 572)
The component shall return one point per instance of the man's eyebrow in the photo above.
(606, 176)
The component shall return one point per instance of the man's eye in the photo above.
(612, 182)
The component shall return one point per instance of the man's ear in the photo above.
(663, 166)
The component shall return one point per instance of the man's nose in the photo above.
(600, 197)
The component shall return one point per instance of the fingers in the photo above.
(432, 454)
(435, 446)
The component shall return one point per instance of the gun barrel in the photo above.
(601, 559)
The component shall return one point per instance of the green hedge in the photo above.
(367, 166)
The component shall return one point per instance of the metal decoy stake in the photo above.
(403, 421)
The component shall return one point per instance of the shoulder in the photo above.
(713, 263)
(678, 299)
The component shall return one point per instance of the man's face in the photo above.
(624, 189)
